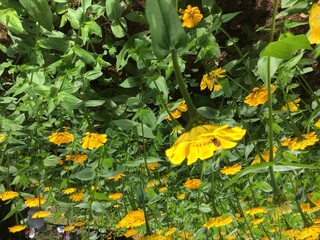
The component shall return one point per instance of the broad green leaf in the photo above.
(51, 161)
(125, 123)
(84, 175)
(84, 55)
(146, 115)
(93, 74)
(285, 47)
(166, 28)
(227, 17)
(144, 131)
(100, 196)
(205, 208)
(97, 207)
(40, 11)
(10, 19)
(94, 103)
(263, 67)
(113, 9)
(130, 82)
(118, 27)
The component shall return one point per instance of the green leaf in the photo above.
(100, 196)
(285, 47)
(166, 29)
(118, 27)
(113, 9)
(94, 103)
(97, 207)
(263, 67)
(130, 82)
(84, 55)
(51, 161)
(227, 17)
(144, 131)
(84, 175)
(40, 11)
(125, 123)
(11, 20)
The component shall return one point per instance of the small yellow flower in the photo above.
(163, 189)
(218, 222)
(256, 210)
(176, 113)
(61, 137)
(34, 202)
(306, 140)
(78, 158)
(265, 156)
(133, 219)
(116, 177)
(8, 195)
(170, 231)
(181, 196)
(78, 224)
(257, 221)
(69, 190)
(258, 96)
(317, 123)
(192, 183)
(231, 170)
(2, 137)
(191, 16)
(115, 196)
(314, 23)
(69, 228)
(153, 166)
(16, 228)
(210, 80)
(130, 233)
(292, 106)
(60, 162)
(93, 140)
(77, 197)
(41, 214)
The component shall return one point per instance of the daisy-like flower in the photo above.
(61, 137)
(16, 228)
(202, 141)
(264, 155)
(256, 210)
(306, 140)
(153, 166)
(258, 96)
(116, 177)
(210, 80)
(218, 222)
(176, 113)
(191, 16)
(7, 195)
(34, 202)
(231, 170)
(192, 183)
(77, 197)
(115, 196)
(292, 106)
(93, 140)
(78, 158)
(133, 219)
(69, 190)
(41, 214)
(314, 23)
(181, 196)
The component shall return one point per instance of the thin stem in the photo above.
(273, 23)
(192, 111)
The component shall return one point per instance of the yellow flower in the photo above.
(8, 195)
(77, 197)
(2, 137)
(256, 210)
(192, 183)
(115, 196)
(134, 218)
(78, 158)
(306, 140)
(155, 237)
(218, 222)
(163, 189)
(292, 106)
(130, 233)
(210, 80)
(258, 96)
(181, 196)
(202, 141)
(16, 228)
(93, 140)
(317, 123)
(265, 156)
(176, 113)
(314, 23)
(191, 16)
(69, 228)
(41, 214)
(116, 177)
(231, 170)
(153, 166)
(69, 190)
(257, 221)
(170, 231)
(61, 137)
(34, 202)
(78, 224)
(60, 162)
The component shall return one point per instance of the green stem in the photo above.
(273, 23)
(148, 230)
(214, 208)
(303, 216)
(192, 111)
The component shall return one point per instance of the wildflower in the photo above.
(116, 177)
(163, 189)
(153, 166)
(34, 202)
(265, 156)
(176, 113)
(41, 214)
(192, 183)
(231, 170)
(210, 80)
(2, 137)
(7, 195)
(61, 137)
(218, 222)
(77, 197)
(292, 106)
(306, 140)
(256, 210)
(154, 237)
(134, 218)
(257, 221)
(69, 190)
(93, 140)
(258, 96)
(170, 231)
(16, 228)
(78, 158)
(69, 228)
(130, 233)
(181, 196)
(202, 141)
(314, 17)
(191, 16)
(115, 196)
(60, 162)
(78, 224)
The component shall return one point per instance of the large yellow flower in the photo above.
(34, 202)
(133, 219)
(191, 16)
(314, 23)
(61, 137)
(93, 140)
(8, 195)
(258, 96)
(202, 141)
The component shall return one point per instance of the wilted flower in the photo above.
(130, 233)
(258, 96)
(69, 228)
(153, 166)
(265, 155)
(116, 177)
(210, 80)
(170, 231)
(78, 158)
(191, 16)
(176, 113)
(61, 137)
(8, 195)
(231, 170)
(93, 140)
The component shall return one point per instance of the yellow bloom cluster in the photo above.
(292, 106)
(16, 228)
(134, 218)
(78, 158)
(202, 141)
(192, 183)
(115, 196)
(314, 23)
(210, 80)
(218, 222)
(41, 214)
(256, 210)
(61, 137)
(258, 96)
(191, 16)
(306, 140)
(93, 140)
(231, 170)
(34, 202)
(8, 195)
(176, 113)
